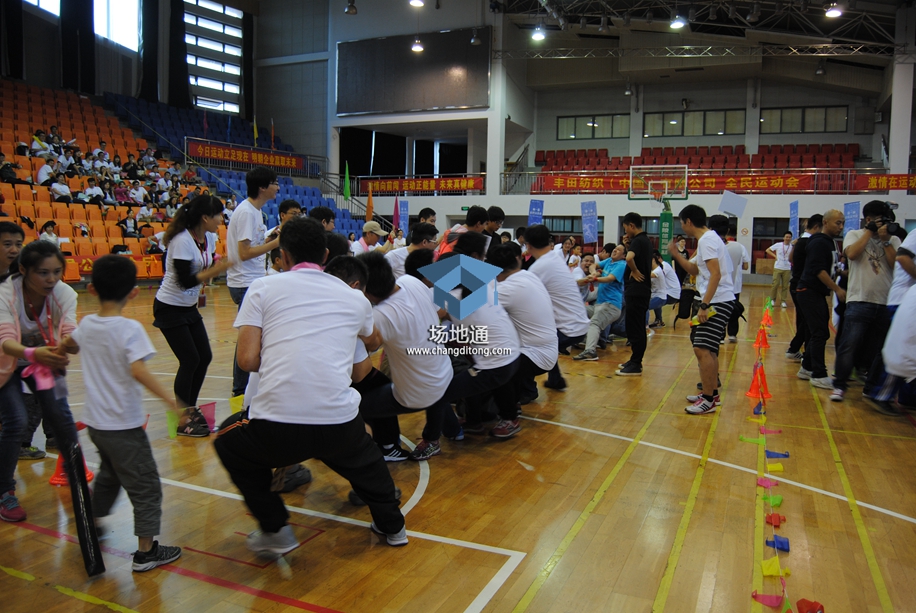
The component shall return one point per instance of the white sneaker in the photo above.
(732, 339)
(794, 357)
(701, 407)
(272, 545)
(837, 395)
(805, 375)
(822, 382)
(396, 539)
(697, 397)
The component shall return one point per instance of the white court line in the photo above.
(166, 374)
(422, 483)
(779, 478)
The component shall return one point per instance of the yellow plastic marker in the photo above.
(771, 568)
(172, 419)
(774, 468)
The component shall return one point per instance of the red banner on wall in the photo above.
(554, 183)
(882, 183)
(450, 184)
(245, 156)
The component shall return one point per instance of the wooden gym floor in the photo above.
(610, 499)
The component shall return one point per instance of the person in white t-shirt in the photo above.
(422, 236)
(782, 269)
(568, 309)
(93, 193)
(246, 246)
(714, 284)
(741, 262)
(299, 331)
(189, 264)
(114, 352)
(405, 316)
(659, 287)
(138, 193)
(373, 239)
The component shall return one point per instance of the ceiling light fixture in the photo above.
(803, 7)
(416, 3)
(833, 10)
(626, 19)
(649, 16)
(603, 29)
(417, 45)
(583, 23)
(692, 14)
(732, 11)
(538, 33)
(713, 12)
(628, 91)
(821, 69)
(351, 8)
(677, 22)
(474, 40)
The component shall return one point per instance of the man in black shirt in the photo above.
(637, 292)
(797, 257)
(496, 219)
(814, 286)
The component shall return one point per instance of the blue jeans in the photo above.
(864, 327)
(239, 376)
(13, 416)
(656, 304)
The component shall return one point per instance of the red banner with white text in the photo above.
(880, 183)
(696, 183)
(245, 156)
(446, 184)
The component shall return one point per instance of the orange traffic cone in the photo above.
(767, 319)
(60, 477)
(762, 342)
(759, 387)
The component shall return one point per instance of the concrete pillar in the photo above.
(636, 127)
(334, 152)
(902, 96)
(752, 117)
(496, 118)
(410, 152)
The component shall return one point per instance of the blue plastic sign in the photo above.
(590, 222)
(793, 218)
(405, 216)
(851, 212)
(536, 212)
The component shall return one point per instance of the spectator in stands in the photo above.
(66, 162)
(288, 209)
(190, 176)
(149, 161)
(373, 239)
(48, 172)
(173, 171)
(39, 146)
(138, 193)
(56, 148)
(55, 132)
(60, 191)
(128, 224)
(88, 165)
(47, 233)
(108, 195)
(130, 170)
(115, 168)
(8, 172)
(144, 214)
(78, 166)
(11, 238)
(171, 207)
(351, 237)
(93, 193)
(102, 168)
(100, 151)
(163, 183)
(325, 216)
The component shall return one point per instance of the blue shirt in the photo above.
(612, 292)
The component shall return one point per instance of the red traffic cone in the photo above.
(759, 384)
(60, 477)
(767, 319)
(761, 342)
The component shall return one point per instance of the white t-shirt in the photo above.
(310, 324)
(93, 191)
(902, 279)
(711, 247)
(900, 345)
(565, 297)
(247, 223)
(501, 333)
(738, 255)
(870, 276)
(659, 284)
(60, 189)
(397, 257)
(108, 346)
(672, 285)
(184, 247)
(404, 319)
(527, 302)
(578, 273)
(782, 251)
(47, 172)
(138, 194)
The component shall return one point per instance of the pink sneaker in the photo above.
(10, 509)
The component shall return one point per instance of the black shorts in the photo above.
(710, 334)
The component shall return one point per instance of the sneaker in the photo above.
(657, 324)
(10, 509)
(602, 345)
(587, 356)
(506, 428)
(356, 501)
(51, 443)
(157, 556)
(630, 370)
(732, 339)
(296, 475)
(805, 375)
(555, 385)
(783, 305)
(425, 450)
(397, 453)
(194, 429)
(272, 544)
(794, 357)
(837, 394)
(397, 539)
(696, 398)
(702, 407)
(196, 416)
(579, 345)
(564, 351)
(31, 453)
(882, 406)
(474, 428)
(718, 384)
(822, 382)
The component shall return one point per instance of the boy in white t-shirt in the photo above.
(114, 353)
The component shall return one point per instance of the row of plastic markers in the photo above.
(772, 501)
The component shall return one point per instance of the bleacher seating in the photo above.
(707, 157)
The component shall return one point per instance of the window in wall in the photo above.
(569, 225)
(118, 21)
(52, 6)
(593, 126)
(814, 119)
(694, 123)
(213, 37)
(807, 119)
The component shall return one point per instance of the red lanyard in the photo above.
(49, 338)
(203, 251)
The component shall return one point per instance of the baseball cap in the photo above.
(372, 226)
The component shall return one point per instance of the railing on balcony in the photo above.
(708, 181)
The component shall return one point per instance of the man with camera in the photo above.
(872, 253)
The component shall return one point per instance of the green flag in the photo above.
(346, 187)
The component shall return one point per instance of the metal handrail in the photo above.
(333, 184)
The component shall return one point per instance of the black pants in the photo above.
(251, 449)
(813, 307)
(379, 403)
(735, 317)
(191, 345)
(385, 430)
(554, 376)
(476, 385)
(801, 328)
(637, 308)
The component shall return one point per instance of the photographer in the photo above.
(872, 253)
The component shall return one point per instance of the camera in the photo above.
(892, 226)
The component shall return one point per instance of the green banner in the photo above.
(666, 233)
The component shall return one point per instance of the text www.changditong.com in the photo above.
(459, 351)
